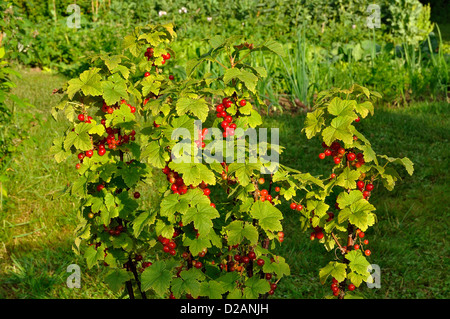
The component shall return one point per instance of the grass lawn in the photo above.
(409, 242)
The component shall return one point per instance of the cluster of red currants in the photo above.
(338, 152)
(221, 112)
(362, 241)
(295, 206)
(366, 189)
(83, 118)
(335, 287)
(149, 53)
(317, 233)
(110, 108)
(179, 187)
(201, 136)
(114, 231)
(246, 258)
(177, 184)
(168, 245)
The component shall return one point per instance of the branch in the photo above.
(337, 242)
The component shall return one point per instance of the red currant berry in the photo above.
(101, 151)
(351, 157)
(198, 265)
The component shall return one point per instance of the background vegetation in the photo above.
(327, 43)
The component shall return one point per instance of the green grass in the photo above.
(408, 242)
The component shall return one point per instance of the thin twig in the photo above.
(337, 242)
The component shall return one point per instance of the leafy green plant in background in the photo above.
(334, 40)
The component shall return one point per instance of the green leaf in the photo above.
(155, 155)
(93, 255)
(120, 116)
(79, 138)
(201, 215)
(197, 245)
(164, 229)
(172, 204)
(314, 123)
(248, 78)
(238, 230)
(141, 221)
(188, 282)
(212, 289)
(364, 108)
(131, 175)
(131, 43)
(361, 216)
(194, 173)
(357, 210)
(254, 287)
(156, 277)
(97, 129)
(356, 278)
(358, 263)
(406, 162)
(347, 179)
(335, 269)
(113, 92)
(243, 171)
(79, 187)
(274, 47)
(228, 281)
(57, 150)
(197, 107)
(339, 129)
(268, 216)
(320, 208)
(369, 154)
(279, 266)
(254, 119)
(346, 199)
(152, 84)
(112, 62)
(125, 204)
(89, 83)
(339, 107)
(116, 278)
